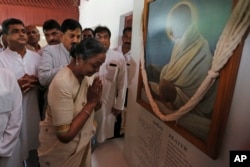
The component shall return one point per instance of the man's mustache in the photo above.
(127, 43)
(53, 41)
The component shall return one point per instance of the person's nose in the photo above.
(22, 33)
(50, 37)
(76, 39)
(126, 40)
(102, 39)
(32, 34)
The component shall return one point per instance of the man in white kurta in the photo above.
(24, 64)
(125, 50)
(129, 62)
(20, 66)
(113, 74)
(10, 120)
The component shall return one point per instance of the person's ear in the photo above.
(78, 60)
(5, 37)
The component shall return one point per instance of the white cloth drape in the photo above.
(231, 36)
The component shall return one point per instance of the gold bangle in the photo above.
(62, 128)
(87, 112)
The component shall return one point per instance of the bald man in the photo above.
(33, 38)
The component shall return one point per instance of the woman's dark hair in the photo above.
(87, 48)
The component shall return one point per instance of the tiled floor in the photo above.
(109, 154)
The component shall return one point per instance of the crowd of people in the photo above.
(57, 99)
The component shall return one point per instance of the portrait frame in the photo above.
(224, 93)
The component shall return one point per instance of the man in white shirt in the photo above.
(23, 63)
(125, 50)
(10, 120)
(113, 74)
(125, 47)
(33, 38)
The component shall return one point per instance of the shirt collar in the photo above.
(64, 49)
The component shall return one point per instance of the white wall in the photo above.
(237, 136)
(105, 13)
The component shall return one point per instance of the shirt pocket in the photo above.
(112, 70)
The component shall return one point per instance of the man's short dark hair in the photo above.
(70, 24)
(127, 29)
(51, 24)
(11, 21)
(99, 29)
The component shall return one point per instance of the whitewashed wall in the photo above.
(105, 13)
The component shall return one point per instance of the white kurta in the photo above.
(31, 118)
(113, 74)
(131, 65)
(10, 120)
(54, 57)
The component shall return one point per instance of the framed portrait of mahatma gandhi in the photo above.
(190, 65)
